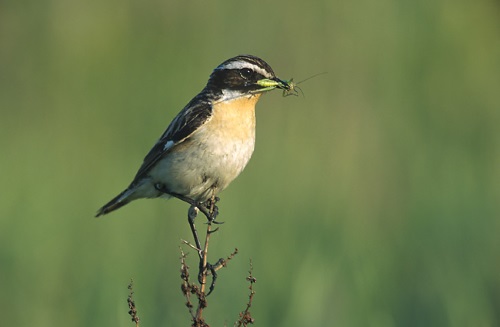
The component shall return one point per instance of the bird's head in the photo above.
(244, 75)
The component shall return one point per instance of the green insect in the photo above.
(289, 87)
(292, 88)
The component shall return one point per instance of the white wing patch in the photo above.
(168, 145)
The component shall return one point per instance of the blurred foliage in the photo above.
(374, 200)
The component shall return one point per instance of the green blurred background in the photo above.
(371, 201)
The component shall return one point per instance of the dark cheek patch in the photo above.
(231, 79)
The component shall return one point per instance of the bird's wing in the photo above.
(197, 112)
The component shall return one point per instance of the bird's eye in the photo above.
(246, 73)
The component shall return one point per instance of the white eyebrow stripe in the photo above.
(243, 64)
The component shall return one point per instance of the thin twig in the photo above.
(204, 269)
(131, 305)
(245, 316)
(223, 262)
(203, 272)
(188, 289)
(190, 245)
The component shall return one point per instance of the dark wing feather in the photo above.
(197, 112)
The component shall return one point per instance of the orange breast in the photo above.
(235, 119)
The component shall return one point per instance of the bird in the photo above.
(209, 142)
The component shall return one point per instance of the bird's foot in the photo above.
(212, 209)
(213, 271)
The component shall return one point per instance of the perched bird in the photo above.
(209, 142)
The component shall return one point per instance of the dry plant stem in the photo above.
(187, 288)
(245, 316)
(191, 246)
(131, 305)
(203, 266)
(203, 269)
(191, 290)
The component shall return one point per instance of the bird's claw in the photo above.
(213, 271)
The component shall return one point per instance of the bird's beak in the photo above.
(269, 84)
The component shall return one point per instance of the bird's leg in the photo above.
(199, 205)
(192, 213)
(210, 210)
(203, 207)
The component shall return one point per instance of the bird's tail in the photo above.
(119, 201)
